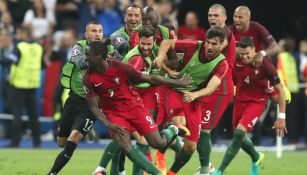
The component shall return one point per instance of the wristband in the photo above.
(263, 53)
(282, 115)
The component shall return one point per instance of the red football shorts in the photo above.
(191, 111)
(212, 109)
(137, 119)
(150, 97)
(247, 113)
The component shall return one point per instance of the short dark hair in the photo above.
(135, 6)
(99, 48)
(216, 32)
(147, 31)
(246, 41)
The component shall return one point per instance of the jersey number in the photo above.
(253, 122)
(207, 116)
(246, 80)
(152, 123)
(88, 125)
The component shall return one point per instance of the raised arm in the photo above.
(164, 47)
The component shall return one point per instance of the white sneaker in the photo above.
(122, 173)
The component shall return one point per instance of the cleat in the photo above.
(255, 167)
(211, 170)
(160, 162)
(183, 131)
(171, 173)
(149, 156)
(122, 173)
(91, 135)
(216, 172)
(99, 173)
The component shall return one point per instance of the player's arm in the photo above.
(78, 57)
(213, 83)
(271, 73)
(158, 80)
(271, 45)
(164, 47)
(280, 123)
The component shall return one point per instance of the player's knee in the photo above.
(190, 146)
(61, 141)
(75, 136)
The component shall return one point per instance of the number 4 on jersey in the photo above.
(246, 80)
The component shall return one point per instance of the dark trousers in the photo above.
(21, 98)
(295, 117)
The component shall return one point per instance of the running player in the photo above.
(250, 102)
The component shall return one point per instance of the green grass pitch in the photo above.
(84, 161)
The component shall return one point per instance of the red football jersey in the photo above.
(112, 86)
(253, 83)
(261, 36)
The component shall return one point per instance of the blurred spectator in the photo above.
(110, 17)
(191, 30)
(88, 10)
(303, 69)
(25, 80)
(6, 59)
(6, 21)
(61, 52)
(167, 13)
(287, 69)
(67, 14)
(18, 10)
(40, 20)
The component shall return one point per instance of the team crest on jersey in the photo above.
(75, 52)
(118, 41)
(256, 72)
(116, 80)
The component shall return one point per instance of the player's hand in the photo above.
(173, 74)
(157, 62)
(189, 96)
(258, 59)
(116, 129)
(185, 81)
(280, 127)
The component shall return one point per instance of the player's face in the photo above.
(91, 58)
(150, 19)
(247, 54)
(241, 20)
(216, 17)
(93, 32)
(213, 47)
(133, 18)
(146, 45)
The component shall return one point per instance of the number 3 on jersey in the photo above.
(207, 116)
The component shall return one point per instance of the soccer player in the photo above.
(150, 17)
(213, 106)
(250, 102)
(265, 43)
(141, 58)
(77, 119)
(207, 67)
(122, 109)
(120, 38)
